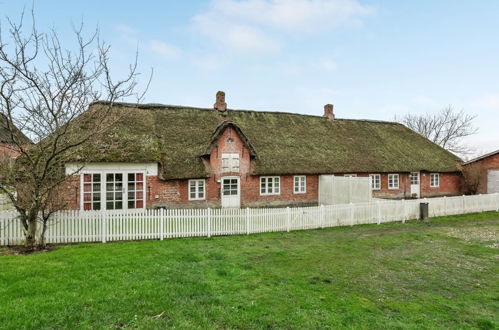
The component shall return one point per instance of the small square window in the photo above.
(393, 181)
(300, 184)
(270, 185)
(375, 181)
(196, 190)
(434, 180)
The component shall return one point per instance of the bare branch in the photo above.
(45, 94)
(446, 128)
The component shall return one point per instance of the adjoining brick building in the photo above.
(487, 172)
(177, 156)
(10, 139)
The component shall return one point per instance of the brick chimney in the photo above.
(328, 111)
(220, 104)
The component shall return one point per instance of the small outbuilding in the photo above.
(486, 168)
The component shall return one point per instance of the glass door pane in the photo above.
(91, 191)
(114, 191)
(135, 196)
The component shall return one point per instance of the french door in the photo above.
(113, 191)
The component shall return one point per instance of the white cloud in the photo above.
(209, 63)
(233, 36)
(489, 102)
(254, 25)
(296, 15)
(427, 101)
(327, 64)
(164, 49)
(125, 29)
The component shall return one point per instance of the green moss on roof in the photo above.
(5, 132)
(284, 143)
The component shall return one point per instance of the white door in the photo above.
(415, 183)
(492, 181)
(231, 196)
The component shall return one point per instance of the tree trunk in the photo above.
(31, 233)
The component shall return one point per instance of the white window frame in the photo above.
(103, 173)
(414, 175)
(391, 177)
(197, 190)
(300, 186)
(232, 163)
(373, 183)
(266, 180)
(432, 176)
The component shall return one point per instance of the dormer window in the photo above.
(230, 163)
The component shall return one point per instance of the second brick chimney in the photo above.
(328, 111)
(220, 104)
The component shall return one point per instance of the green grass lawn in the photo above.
(413, 275)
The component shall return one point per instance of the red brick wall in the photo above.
(7, 150)
(450, 184)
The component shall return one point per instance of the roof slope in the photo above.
(5, 133)
(490, 154)
(284, 143)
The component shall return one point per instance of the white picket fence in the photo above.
(104, 226)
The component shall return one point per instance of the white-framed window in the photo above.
(300, 184)
(393, 181)
(270, 185)
(113, 190)
(350, 175)
(434, 180)
(375, 181)
(230, 163)
(196, 190)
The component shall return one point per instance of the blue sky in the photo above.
(371, 59)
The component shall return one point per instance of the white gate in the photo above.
(344, 190)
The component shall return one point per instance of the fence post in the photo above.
(426, 201)
(288, 219)
(209, 222)
(247, 221)
(463, 205)
(404, 206)
(497, 202)
(378, 204)
(103, 226)
(323, 216)
(480, 204)
(351, 213)
(445, 205)
(161, 223)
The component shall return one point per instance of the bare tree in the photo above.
(446, 128)
(473, 175)
(45, 93)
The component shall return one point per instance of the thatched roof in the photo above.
(5, 133)
(282, 143)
